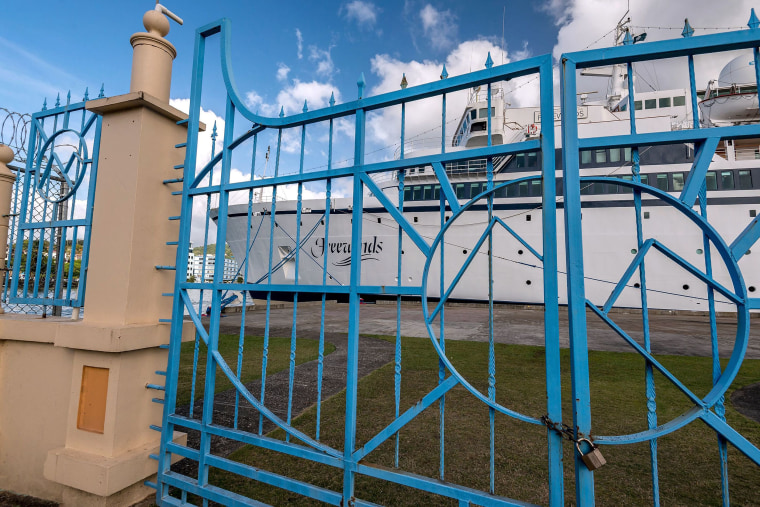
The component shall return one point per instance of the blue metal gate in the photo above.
(52, 210)
(353, 460)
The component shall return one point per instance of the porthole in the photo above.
(686, 286)
(751, 288)
(464, 252)
(699, 251)
(379, 220)
(637, 285)
(528, 282)
(527, 218)
(633, 251)
(415, 220)
(519, 252)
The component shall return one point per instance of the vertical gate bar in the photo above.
(10, 260)
(442, 322)
(441, 369)
(352, 366)
(216, 310)
(175, 343)
(399, 273)
(694, 103)
(328, 206)
(551, 291)
(720, 408)
(299, 203)
(576, 291)
(204, 259)
(82, 285)
(648, 372)
(241, 339)
(265, 348)
(491, 351)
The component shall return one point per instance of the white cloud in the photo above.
(584, 21)
(362, 13)
(323, 59)
(440, 27)
(282, 72)
(299, 40)
(291, 98)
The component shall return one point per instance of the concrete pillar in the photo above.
(75, 413)
(7, 178)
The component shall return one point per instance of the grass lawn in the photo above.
(278, 359)
(688, 458)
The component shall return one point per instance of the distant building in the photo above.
(195, 267)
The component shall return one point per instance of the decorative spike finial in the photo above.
(360, 84)
(489, 61)
(404, 82)
(282, 111)
(688, 31)
(444, 73)
(213, 133)
(332, 99)
(305, 107)
(44, 104)
(58, 100)
(628, 40)
(68, 98)
(102, 91)
(753, 21)
(86, 94)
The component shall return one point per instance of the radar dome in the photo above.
(740, 70)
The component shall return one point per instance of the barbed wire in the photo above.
(14, 129)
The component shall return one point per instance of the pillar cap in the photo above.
(6, 154)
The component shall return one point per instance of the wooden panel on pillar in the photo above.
(91, 415)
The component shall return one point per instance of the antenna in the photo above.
(163, 10)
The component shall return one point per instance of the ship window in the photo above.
(624, 107)
(650, 104)
(483, 112)
(614, 154)
(532, 159)
(417, 193)
(427, 192)
(520, 159)
(712, 180)
(637, 105)
(585, 157)
(726, 180)
(679, 101)
(600, 156)
(407, 193)
(512, 191)
(437, 192)
(677, 182)
(662, 182)
(645, 179)
(501, 192)
(536, 188)
(664, 102)
(625, 190)
(745, 180)
(586, 188)
(461, 191)
(627, 154)
(478, 127)
(523, 189)
(473, 114)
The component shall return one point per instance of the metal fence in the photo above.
(282, 271)
(51, 210)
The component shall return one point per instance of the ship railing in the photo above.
(747, 153)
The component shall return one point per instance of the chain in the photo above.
(563, 429)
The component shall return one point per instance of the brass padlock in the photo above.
(592, 459)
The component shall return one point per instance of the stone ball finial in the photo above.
(156, 23)
(6, 154)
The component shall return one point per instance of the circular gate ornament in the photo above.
(78, 159)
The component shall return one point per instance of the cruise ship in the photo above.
(608, 213)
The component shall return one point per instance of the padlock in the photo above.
(592, 459)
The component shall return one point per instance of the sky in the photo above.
(289, 51)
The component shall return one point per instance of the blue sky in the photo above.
(48, 47)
